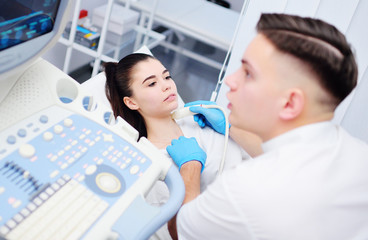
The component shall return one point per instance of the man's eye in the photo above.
(247, 74)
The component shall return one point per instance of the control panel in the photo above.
(69, 170)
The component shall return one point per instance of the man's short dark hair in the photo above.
(318, 44)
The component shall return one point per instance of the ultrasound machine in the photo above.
(68, 168)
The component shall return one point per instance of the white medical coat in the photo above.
(311, 183)
(213, 144)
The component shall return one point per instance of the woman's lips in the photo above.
(170, 98)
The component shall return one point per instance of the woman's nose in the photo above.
(165, 85)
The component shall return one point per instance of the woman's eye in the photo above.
(168, 77)
(152, 84)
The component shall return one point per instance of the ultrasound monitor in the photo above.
(27, 29)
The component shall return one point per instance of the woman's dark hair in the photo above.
(318, 44)
(118, 86)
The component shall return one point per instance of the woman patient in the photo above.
(142, 92)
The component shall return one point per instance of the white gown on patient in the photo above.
(213, 144)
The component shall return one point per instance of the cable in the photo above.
(221, 76)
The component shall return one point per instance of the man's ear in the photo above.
(130, 103)
(293, 104)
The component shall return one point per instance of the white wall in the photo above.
(236, 5)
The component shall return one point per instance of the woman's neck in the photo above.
(161, 131)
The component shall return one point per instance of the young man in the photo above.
(311, 182)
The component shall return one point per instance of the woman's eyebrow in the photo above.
(153, 76)
(148, 78)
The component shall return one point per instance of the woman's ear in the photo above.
(130, 103)
(293, 105)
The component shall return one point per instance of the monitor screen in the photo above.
(22, 20)
(26, 28)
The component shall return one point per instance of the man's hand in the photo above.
(184, 149)
(211, 117)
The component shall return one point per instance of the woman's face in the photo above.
(154, 91)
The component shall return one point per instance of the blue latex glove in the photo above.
(211, 117)
(184, 149)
